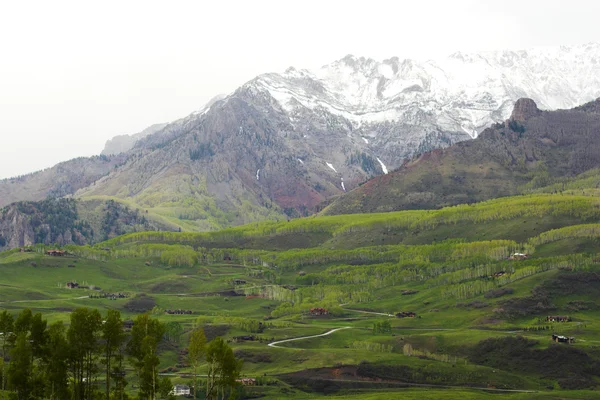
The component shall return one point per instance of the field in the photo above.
(479, 328)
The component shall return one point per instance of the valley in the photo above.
(364, 230)
(310, 304)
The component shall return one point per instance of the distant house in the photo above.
(558, 318)
(563, 339)
(128, 324)
(239, 281)
(55, 253)
(244, 338)
(406, 314)
(181, 390)
(498, 274)
(72, 285)
(317, 311)
(178, 312)
(247, 381)
(518, 256)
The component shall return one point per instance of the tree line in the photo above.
(88, 359)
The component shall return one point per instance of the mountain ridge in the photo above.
(530, 150)
(282, 144)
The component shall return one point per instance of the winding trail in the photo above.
(274, 344)
(38, 300)
(368, 312)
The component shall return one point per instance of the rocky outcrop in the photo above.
(524, 109)
(15, 229)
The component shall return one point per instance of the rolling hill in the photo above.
(481, 280)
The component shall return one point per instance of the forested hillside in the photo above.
(69, 221)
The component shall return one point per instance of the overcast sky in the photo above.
(74, 74)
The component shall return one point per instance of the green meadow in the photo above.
(479, 328)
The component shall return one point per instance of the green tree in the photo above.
(149, 383)
(173, 332)
(197, 352)
(223, 368)
(6, 329)
(20, 367)
(82, 337)
(142, 347)
(56, 363)
(23, 322)
(165, 389)
(38, 335)
(113, 336)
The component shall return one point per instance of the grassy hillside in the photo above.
(480, 328)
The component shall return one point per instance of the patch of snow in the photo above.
(201, 111)
(383, 167)
(301, 162)
(343, 187)
(331, 166)
(366, 140)
(257, 174)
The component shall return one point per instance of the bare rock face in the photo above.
(524, 109)
(15, 230)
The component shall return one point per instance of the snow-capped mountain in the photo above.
(462, 93)
(284, 143)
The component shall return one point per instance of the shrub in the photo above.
(491, 294)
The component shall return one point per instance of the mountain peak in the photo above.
(524, 109)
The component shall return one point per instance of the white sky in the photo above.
(74, 74)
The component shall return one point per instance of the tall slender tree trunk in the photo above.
(195, 380)
(108, 356)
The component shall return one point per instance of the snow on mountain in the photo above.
(460, 93)
(273, 143)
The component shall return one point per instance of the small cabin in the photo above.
(72, 285)
(318, 311)
(181, 390)
(563, 339)
(55, 253)
(558, 318)
(239, 282)
(244, 338)
(498, 274)
(128, 324)
(406, 314)
(247, 381)
(518, 256)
